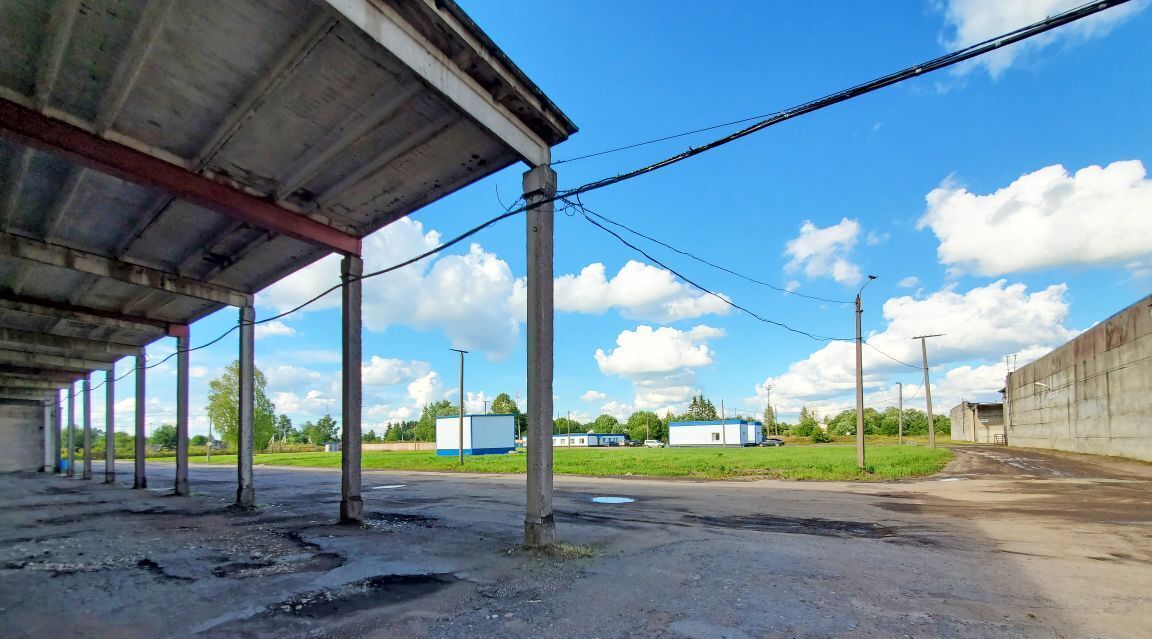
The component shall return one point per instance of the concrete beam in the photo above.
(148, 27)
(245, 489)
(386, 26)
(86, 315)
(91, 263)
(39, 373)
(52, 50)
(340, 139)
(182, 377)
(351, 503)
(30, 127)
(140, 478)
(9, 382)
(539, 520)
(24, 358)
(30, 394)
(72, 344)
(283, 69)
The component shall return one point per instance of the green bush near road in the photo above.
(789, 462)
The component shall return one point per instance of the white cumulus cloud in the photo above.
(659, 362)
(273, 329)
(822, 252)
(1048, 218)
(594, 396)
(640, 291)
(973, 21)
(980, 326)
(382, 371)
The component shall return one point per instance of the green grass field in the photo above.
(788, 462)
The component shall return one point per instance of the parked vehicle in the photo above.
(653, 443)
(772, 441)
(632, 443)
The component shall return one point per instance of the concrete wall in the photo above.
(21, 436)
(1092, 395)
(979, 422)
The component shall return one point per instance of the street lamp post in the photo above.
(928, 387)
(860, 378)
(461, 428)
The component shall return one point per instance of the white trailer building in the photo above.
(589, 439)
(716, 432)
(483, 435)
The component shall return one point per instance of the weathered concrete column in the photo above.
(47, 467)
(351, 504)
(71, 430)
(182, 344)
(87, 386)
(245, 439)
(140, 480)
(539, 524)
(57, 423)
(110, 427)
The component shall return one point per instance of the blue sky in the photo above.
(1003, 203)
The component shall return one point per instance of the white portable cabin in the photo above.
(483, 435)
(730, 432)
(589, 439)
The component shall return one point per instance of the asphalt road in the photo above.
(1006, 542)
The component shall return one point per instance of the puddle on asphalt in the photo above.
(613, 500)
(398, 521)
(388, 486)
(952, 479)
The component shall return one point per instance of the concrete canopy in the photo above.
(163, 159)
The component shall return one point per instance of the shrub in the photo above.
(821, 437)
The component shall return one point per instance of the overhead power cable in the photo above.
(936, 64)
(709, 263)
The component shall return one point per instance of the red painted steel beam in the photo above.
(32, 128)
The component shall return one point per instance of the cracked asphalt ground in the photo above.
(1005, 542)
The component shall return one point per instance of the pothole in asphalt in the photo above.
(361, 595)
(398, 521)
(952, 479)
(613, 500)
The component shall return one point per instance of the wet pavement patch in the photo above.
(372, 592)
(803, 526)
(388, 486)
(613, 500)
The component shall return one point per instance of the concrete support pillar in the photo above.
(245, 440)
(86, 385)
(539, 523)
(71, 430)
(182, 372)
(351, 504)
(57, 423)
(140, 480)
(110, 427)
(47, 468)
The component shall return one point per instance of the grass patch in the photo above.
(819, 462)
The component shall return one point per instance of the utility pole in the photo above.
(461, 430)
(900, 418)
(723, 427)
(860, 378)
(647, 428)
(928, 387)
(569, 429)
(485, 407)
(768, 404)
(208, 450)
(776, 420)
